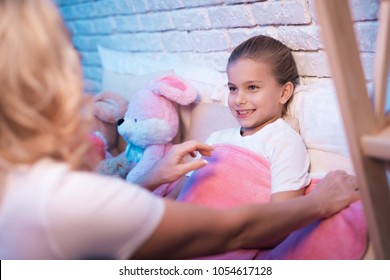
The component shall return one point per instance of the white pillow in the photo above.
(317, 110)
(127, 84)
(210, 84)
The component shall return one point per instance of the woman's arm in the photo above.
(281, 196)
(190, 231)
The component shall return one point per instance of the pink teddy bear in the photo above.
(151, 122)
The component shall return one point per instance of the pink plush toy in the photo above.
(151, 122)
(109, 108)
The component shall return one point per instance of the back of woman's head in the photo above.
(41, 97)
(272, 52)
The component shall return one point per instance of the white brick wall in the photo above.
(205, 31)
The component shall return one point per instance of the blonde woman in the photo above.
(53, 207)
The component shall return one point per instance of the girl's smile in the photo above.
(244, 113)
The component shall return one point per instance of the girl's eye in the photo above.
(232, 89)
(135, 120)
(253, 87)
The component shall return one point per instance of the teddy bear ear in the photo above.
(109, 107)
(175, 89)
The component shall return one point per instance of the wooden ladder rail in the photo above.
(382, 61)
(368, 138)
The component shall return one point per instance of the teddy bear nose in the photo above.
(120, 121)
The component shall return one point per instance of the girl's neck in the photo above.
(250, 131)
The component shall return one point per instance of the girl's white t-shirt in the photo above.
(279, 143)
(48, 211)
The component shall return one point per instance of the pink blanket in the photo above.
(237, 176)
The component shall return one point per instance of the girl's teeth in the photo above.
(244, 112)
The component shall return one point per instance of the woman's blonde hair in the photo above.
(43, 112)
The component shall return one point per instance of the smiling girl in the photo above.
(262, 75)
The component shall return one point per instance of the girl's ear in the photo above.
(287, 92)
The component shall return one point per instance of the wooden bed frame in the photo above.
(366, 124)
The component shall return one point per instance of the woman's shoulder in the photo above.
(72, 205)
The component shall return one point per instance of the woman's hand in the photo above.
(174, 165)
(335, 192)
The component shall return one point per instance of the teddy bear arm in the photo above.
(117, 166)
(151, 155)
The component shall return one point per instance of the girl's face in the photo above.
(256, 98)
